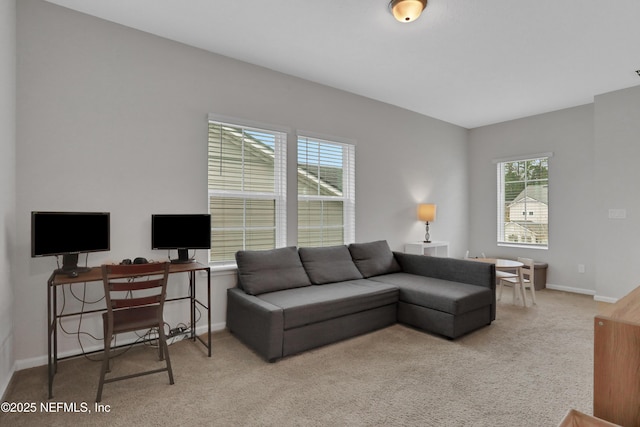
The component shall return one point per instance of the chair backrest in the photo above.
(482, 255)
(135, 285)
(527, 270)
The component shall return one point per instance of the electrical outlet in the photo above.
(580, 268)
(617, 213)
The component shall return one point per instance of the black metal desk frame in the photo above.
(95, 275)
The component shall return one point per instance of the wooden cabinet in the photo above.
(616, 370)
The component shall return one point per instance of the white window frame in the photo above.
(280, 180)
(500, 237)
(348, 181)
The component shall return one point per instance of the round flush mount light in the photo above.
(407, 10)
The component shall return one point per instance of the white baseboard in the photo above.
(43, 360)
(215, 327)
(5, 385)
(571, 289)
(30, 363)
(582, 291)
(610, 300)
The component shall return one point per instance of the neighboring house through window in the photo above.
(523, 201)
(247, 169)
(247, 188)
(326, 192)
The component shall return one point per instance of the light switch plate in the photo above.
(617, 213)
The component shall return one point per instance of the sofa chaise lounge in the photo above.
(290, 300)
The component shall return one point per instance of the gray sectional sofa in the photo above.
(289, 300)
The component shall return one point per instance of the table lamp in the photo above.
(426, 213)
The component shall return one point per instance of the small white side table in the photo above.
(440, 249)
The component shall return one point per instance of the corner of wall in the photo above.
(8, 61)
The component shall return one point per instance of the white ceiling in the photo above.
(467, 62)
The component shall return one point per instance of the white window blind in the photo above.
(326, 192)
(247, 189)
(523, 201)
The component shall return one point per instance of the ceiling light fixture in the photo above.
(407, 10)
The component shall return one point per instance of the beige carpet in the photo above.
(527, 369)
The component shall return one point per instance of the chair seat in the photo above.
(505, 274)
(515, 280)
(134, 319)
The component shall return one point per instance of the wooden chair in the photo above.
(510, 279)
(523, 281)
(502, 274)
(135, 296)
(466, 255)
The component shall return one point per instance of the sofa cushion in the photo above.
(271, 270)
(442, 295)
(314, 304)
(374, 258)
(329, 264)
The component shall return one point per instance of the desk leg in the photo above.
(52, 334)
(209, 310)
(54, 325)
(192, 301)
(49, 338)
(207, 307)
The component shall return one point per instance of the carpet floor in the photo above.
(527, 369)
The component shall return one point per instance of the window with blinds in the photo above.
(326, 192)
(523, 202)
(247, 189)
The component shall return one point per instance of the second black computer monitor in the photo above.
(182, 232)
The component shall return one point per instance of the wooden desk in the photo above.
(95, 275)
(616, 362)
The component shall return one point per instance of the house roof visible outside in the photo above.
(329, 181)
(539, 193)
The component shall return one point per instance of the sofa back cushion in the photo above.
(273, 270)
(329, 264)
(374, 258)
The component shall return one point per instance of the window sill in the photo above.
(222, 270)
(523, 246)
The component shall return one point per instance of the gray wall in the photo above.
(7, 185)
(617, 174)
(113, 119)
(593, 169)
(568, 135)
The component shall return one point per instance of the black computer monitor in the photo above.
(181, 232)
(69, 234)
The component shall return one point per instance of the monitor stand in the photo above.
(183, 257)
(70, 265)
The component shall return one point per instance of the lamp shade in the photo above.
(427, 212)
(407, 10)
